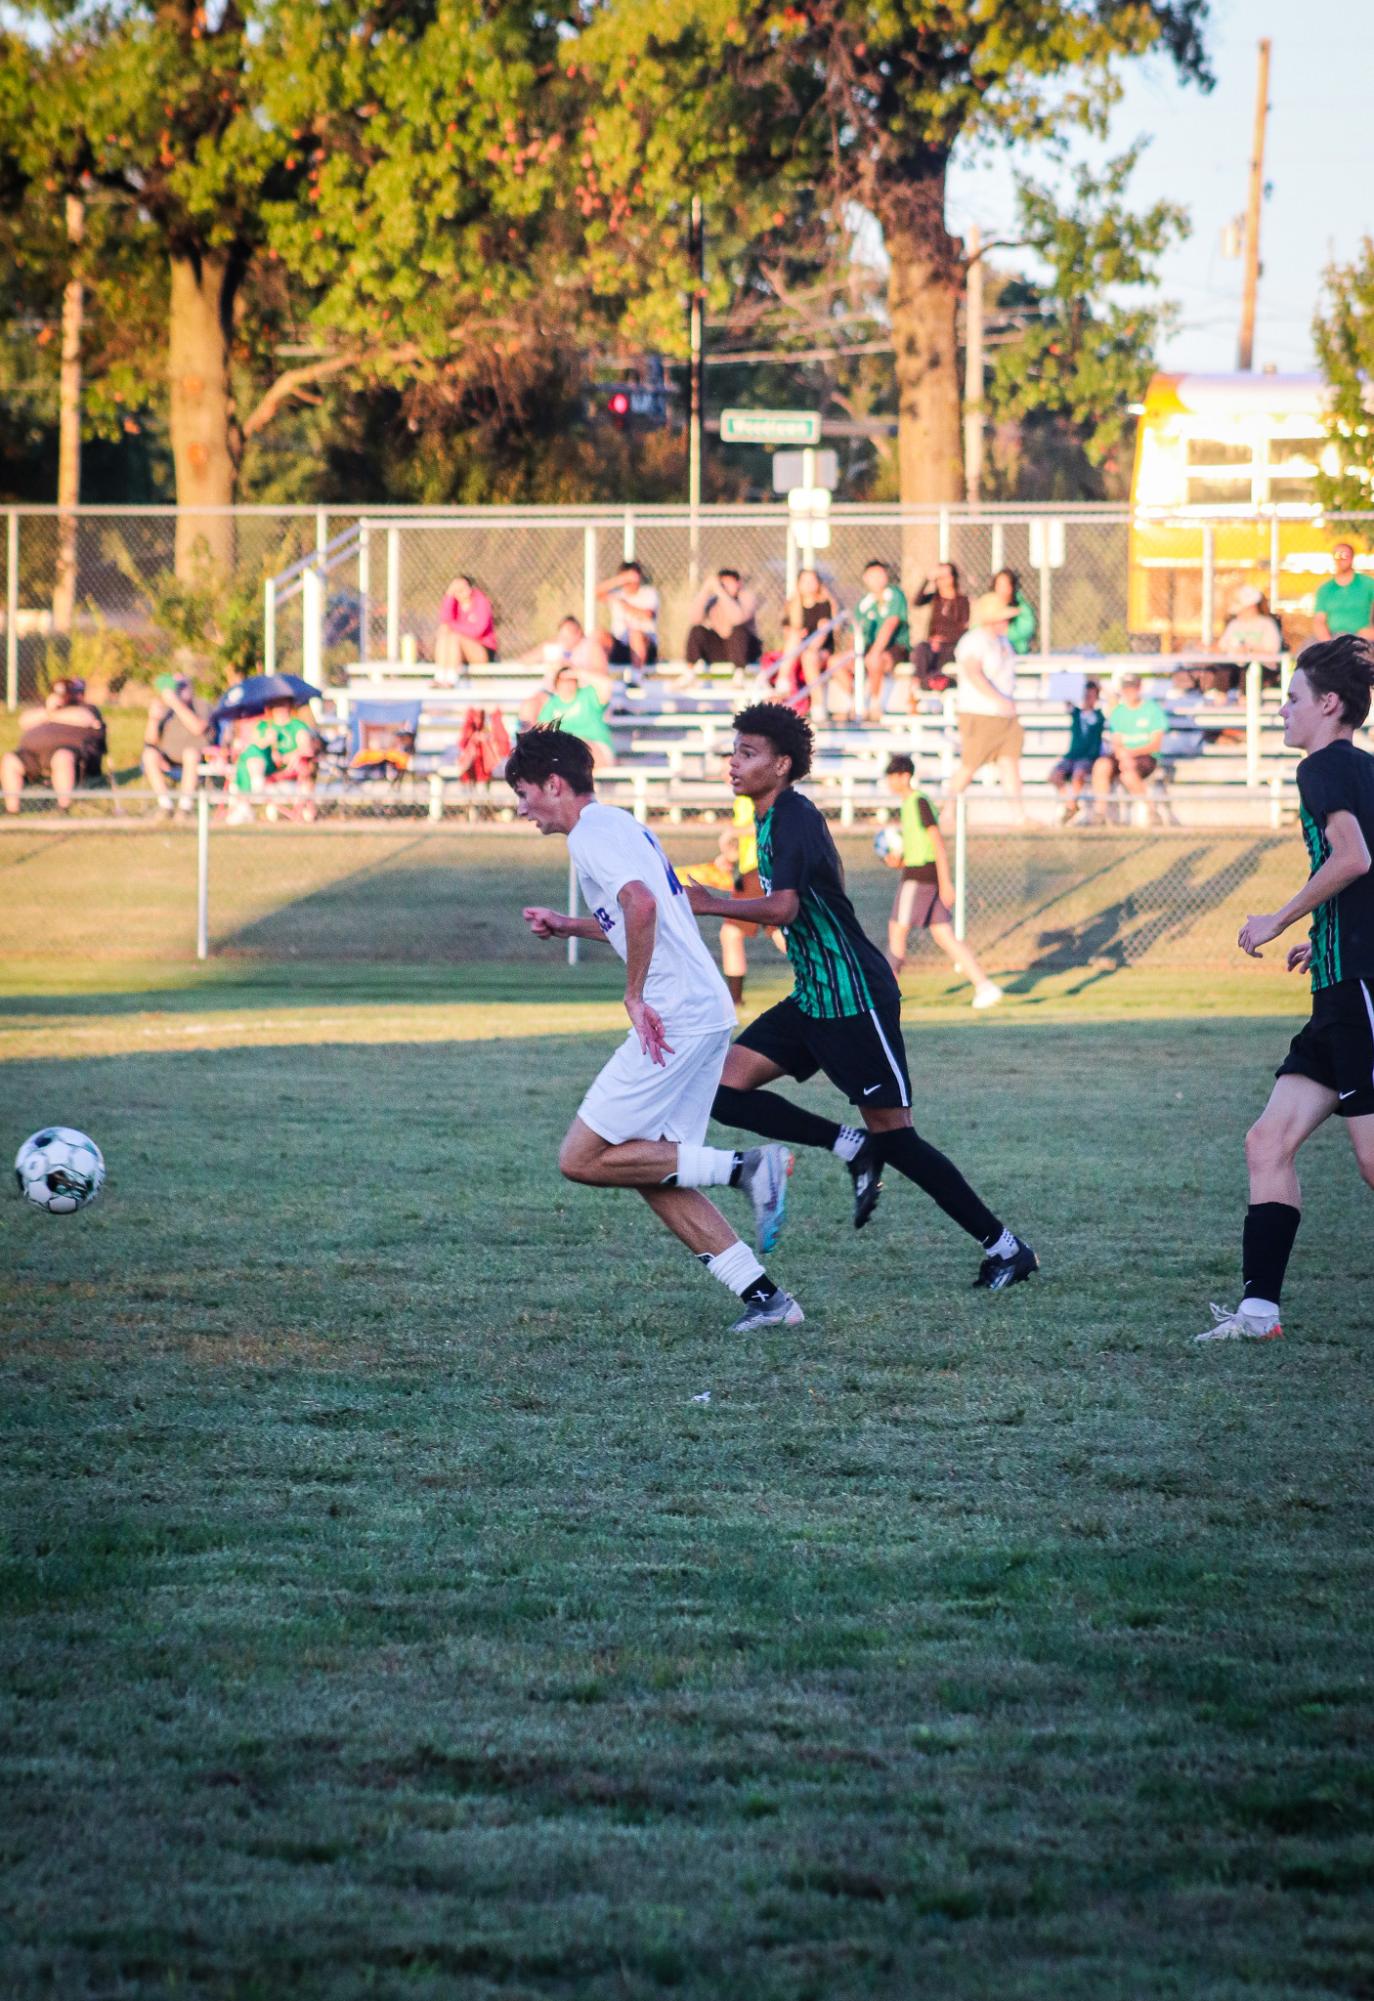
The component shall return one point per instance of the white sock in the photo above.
(704, 1166)
(1262, 1309)
(849, 1141)
(738, 1267)
(1004, 1246)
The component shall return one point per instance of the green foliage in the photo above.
(1343, 331)
(214, 619)
(1081, 355)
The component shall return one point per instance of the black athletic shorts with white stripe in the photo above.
(862, 1054)
(1337, 1046)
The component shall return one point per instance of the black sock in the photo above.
(1266, 1246)
(765, 1112)
(758, 1289)
(940, 1178)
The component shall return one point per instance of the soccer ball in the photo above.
(59, 1169)
(887, 844)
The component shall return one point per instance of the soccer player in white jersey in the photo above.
(643, 1122)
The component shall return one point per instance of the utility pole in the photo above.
(696, 255)
(1245, 354)
(973, 370)
(69, 422)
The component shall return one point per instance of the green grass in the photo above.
(380, 1614)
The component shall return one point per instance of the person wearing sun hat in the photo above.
(990, 731)
(1251, 633)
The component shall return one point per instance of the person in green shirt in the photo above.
(1006, 585)
(1075, 767)
(1135, 731)
(925, 894)
(281, 745)
(1345, 602)
(577, 700)
(883, 630)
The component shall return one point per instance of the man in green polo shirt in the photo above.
(1345, 602)
(882, 627)
(1135, 731)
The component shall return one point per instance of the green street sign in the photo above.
(770, 427)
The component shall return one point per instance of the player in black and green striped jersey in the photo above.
(1330, 1064)
(844, 1016)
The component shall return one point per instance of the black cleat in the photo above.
(866, 1169)
(996, 1274)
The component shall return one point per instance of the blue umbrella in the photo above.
(256, 695)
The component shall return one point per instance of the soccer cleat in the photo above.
(778, 1310)
(1240, 1325)
(763, 1177)
(987, 995)
(996, 1274)
(866, 1170)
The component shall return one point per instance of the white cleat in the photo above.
(779, 1311)
(987, 995)
(1242, 1325)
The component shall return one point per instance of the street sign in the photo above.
(770, 427)
(789, 470)
(809, 500)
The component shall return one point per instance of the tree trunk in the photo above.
(206, 442)
(69, 424)
(923, 297)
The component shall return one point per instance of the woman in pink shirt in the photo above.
(467, 631)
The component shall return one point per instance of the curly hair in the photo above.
(1341, 666)
(789, 733)
(544, 750)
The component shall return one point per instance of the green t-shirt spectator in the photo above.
(1021, 631)
(1136, 726)
(584, 716)
(1347, 607)
(1085, 736)
(872, 612)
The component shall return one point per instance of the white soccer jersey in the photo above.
(610, 848)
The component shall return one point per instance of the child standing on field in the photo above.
(925, 894)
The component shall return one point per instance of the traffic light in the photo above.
(619, 407)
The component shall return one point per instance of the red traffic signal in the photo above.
(618, 404)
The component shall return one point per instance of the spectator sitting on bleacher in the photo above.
(884, 636)
(1135, 734)
(722, 629)
(577, 699)
(1075, 767)
(932, 658)
(467, 628)
(280, 746)
(1251, 633)
(175, 735)
(61, 744)
(809, 608)
(1006, 585)
(571, 647)
(990, 730)
(633, 605)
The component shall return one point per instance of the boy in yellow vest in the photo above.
(925, 894)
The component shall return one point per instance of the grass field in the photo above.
(382, 1613)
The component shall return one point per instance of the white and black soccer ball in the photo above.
(887, 844)
(59, 1169)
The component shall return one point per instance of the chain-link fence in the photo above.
(1096, 577)
(397, 892)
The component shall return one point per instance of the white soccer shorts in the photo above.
(632, 1098)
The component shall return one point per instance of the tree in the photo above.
(1069, 354)
(863, 102)
(1343, 331)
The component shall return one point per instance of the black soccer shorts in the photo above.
(1337, 1046)
(862, 1054)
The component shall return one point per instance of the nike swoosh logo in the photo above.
(869, 1089)
(1343, 1095)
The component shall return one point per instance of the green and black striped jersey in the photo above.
(1339, 779)
(838, 968)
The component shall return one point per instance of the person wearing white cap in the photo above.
(1251, 632)
(985, 701)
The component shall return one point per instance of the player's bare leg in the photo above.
(652, 1164)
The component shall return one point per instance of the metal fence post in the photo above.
(364, 590)
(944, 535)
(312, 625)
(12, 609)
(572, 909)
(1046, 598)
(436, 795)
(627, 536)
(589, 579)
(269, 627)
(1252, 723)
(1276, 800)
(202, 873)
(1209, 568)
(999, 550)
(960, 864)
(393, 594)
